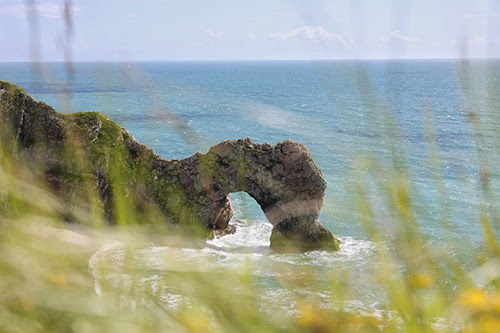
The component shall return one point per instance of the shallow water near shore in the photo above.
(347, 113)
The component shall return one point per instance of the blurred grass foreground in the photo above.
(51, 279)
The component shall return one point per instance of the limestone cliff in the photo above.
(94, 164)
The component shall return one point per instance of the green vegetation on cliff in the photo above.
(92, 163)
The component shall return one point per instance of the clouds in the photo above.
(309, 33)
(215, 35)
(221, 36)
(312, 34)
(477, 40)
(397, 36)
(304, 42)
(44, 10)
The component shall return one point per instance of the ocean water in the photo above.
(436, 120)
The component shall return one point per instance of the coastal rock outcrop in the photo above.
(94, 164)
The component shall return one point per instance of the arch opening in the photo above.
(250, 229)
(246, 208)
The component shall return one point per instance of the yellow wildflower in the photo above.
(489, 324)
(475, 300)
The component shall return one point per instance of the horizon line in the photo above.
(249, 60)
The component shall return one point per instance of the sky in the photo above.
(165, 30)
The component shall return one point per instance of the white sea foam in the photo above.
(249, 233)
(110, 255)
(249, 245)
(352, 251)
(247, 249)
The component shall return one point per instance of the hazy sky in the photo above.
(254, 29)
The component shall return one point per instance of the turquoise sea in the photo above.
(436, 120)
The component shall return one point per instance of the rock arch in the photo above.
(282, 179)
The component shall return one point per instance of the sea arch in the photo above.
(282, 179)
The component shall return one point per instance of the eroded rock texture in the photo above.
(94, 164)
(283, 179)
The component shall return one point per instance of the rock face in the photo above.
(94, 164)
